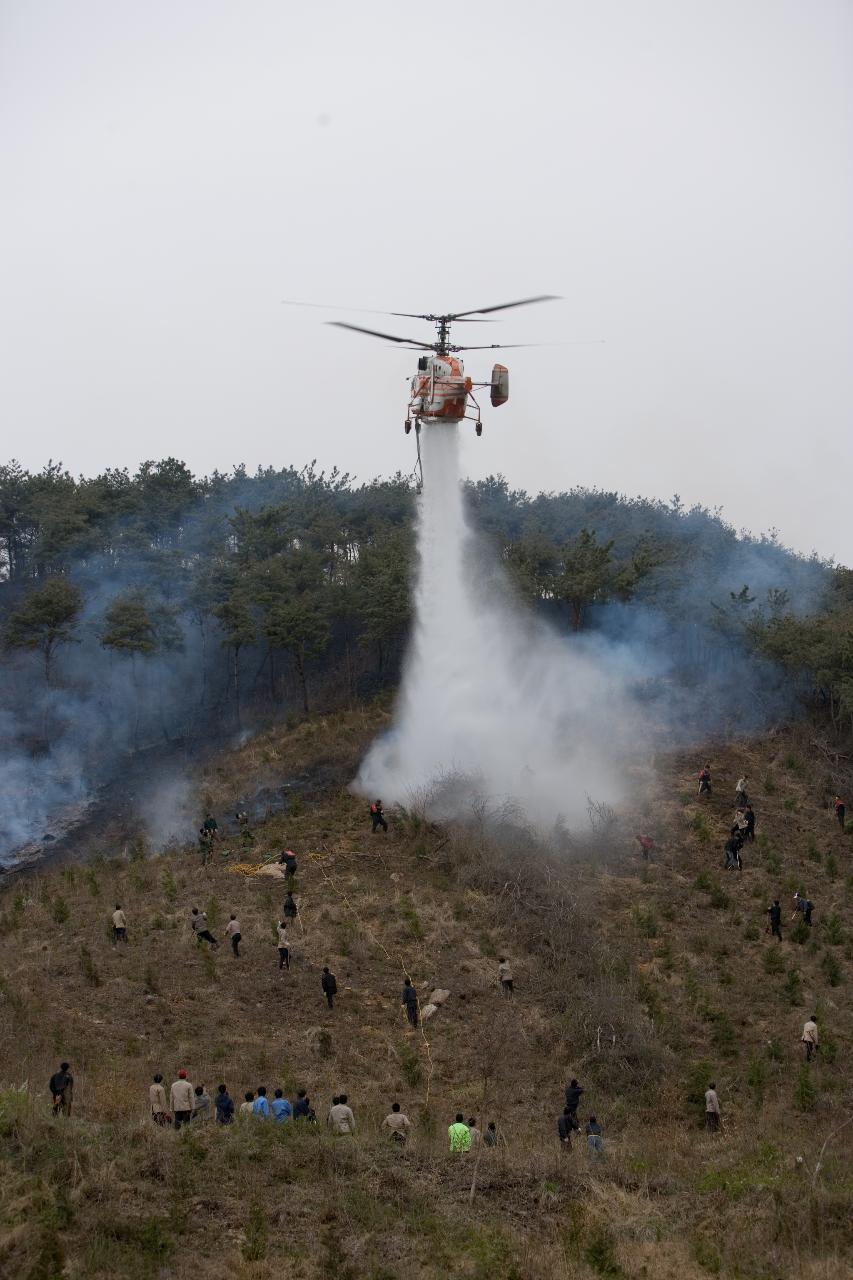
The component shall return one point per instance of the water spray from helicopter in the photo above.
(494, 704)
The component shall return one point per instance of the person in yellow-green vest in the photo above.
(459, 1135)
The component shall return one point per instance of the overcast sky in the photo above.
(680, 171)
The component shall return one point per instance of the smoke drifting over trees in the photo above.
(142, 611)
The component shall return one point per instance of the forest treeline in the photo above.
(293, 586)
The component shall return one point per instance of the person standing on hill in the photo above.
(61, 1085)
(260, 1107)
(741, 798)
(594, 1140)
(210, 824)
(198, 921)
(182, 1098)
(713, 1115)
(329, 984)
(475, 1132)
(491, 1138)
(705, 779)
(283, 946)
(377, 816)
(734, 844)
(839, 811)
(505, 976)
(157, 1098)
(810, 1037)
(246, 1105)
(775, 914)
(647, 845)
(281, 1108)
(341, 1119)
(302, 1106)
(398, 1123)
(802, 904)
(459, 1135)
(119, 926)
(288, 861)
(565, 1124)
(410, 1000)
(740, 826)
(573, 1097)
(223, 1105)
(290, 910)
(749, 814)
(232, 931)
(201, 1103)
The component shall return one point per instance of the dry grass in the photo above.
(630, 978)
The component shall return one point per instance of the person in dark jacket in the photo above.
(329, 983)
(775, 914)
(223, 1105)
(734, 844)
(288, 861)
(377, 816)
(410, 1000)
(573, 1097)
(302, 1107)
(749, 814)
(290, 910)
(61, 1085)
(565, 1124)
(705, 779)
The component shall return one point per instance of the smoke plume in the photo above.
(490, 693)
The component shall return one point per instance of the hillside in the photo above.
(644, 980)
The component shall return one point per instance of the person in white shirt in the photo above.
(811, 1039)
(157, 1097)
(712, 1108)
(232, 931)
(398, 1123)
(505, 976)
(341, 1119)
(119, 926)
(182, 1097)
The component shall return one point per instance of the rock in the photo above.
(427, 1010)
(271, 870)
(439, 996)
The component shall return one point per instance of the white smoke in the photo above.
(490, 693)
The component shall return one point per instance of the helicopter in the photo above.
(441, 391)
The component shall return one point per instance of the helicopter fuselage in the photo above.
(439, 389)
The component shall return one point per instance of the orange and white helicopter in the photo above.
(440, 390)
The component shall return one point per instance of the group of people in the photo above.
(187, 1102)
(568, 1123)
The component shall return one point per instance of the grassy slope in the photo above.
(631, 976)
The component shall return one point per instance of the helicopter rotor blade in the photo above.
(413, 315)
(574, 342)
(505, 306)
(388, 337)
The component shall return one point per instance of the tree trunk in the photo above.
(300, 670)
(237, 685)
(577, 614)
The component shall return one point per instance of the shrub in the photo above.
(60, 911)
(756, 1078)
(411, 917)
(752, 932)
(599, 1253)
(831, 866)
(774, 961)
(645, 921)
(769, 785)
(775, 1051)
(90, 973)
(256, 1237)
(832, 930)
(773, 863)
(805, 1093)
(703, 882)
(793, 988)
(701, 827)
(800, 932)
(790, 804)
(719, 898)
(92, 882)
(410, 1065)
(170, 887)
(831, 969)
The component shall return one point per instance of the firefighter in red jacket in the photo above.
(377, 817)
